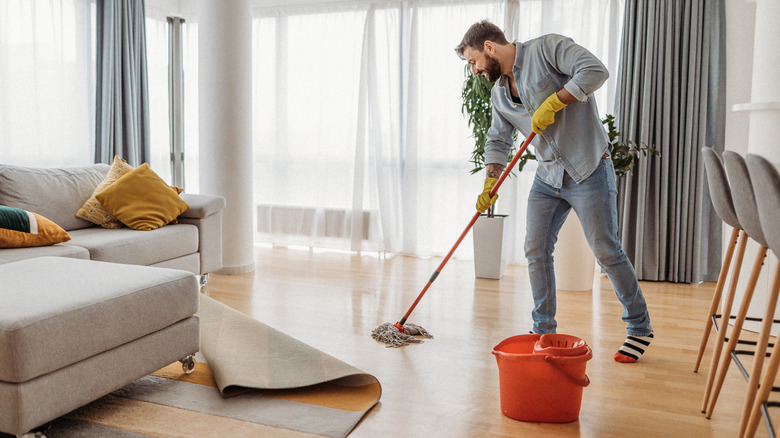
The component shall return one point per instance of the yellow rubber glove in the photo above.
(484, 201)
(545, 114)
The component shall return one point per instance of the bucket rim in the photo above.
(529, 338)
(536, 357)
(583, 353)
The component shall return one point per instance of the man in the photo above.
(544, 85)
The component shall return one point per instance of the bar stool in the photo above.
(724, 206)
(747, 212)
(766, 184)
(720, 193)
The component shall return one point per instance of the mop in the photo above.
(401, 333)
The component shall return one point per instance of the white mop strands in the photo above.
(390, 335)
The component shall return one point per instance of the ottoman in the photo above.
(72, 331)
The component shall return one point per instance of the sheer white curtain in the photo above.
(306, 75)
(47, 96)
(359, 138)
(439, 190)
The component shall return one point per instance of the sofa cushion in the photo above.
(134, 247)
(190, 263)
(48, 321)
(54, 193)
(20, 229)
(8, 255)
(92, 210)
(142, 200)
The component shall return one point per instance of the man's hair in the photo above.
(477, 34)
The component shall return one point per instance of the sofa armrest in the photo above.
(202, 206)
(205, 212)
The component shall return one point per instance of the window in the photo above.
(172, 62)
(359, 140)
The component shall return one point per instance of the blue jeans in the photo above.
(595, 202)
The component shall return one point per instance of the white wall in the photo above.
(740, 24)
(740, 41)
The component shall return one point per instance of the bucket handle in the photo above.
(581, 382)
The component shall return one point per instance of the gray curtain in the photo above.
(671, 94)
(122, 109)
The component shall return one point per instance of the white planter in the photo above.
(488, 234)
(575, 264)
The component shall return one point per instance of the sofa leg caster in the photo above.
(204, 278)
(188, 364)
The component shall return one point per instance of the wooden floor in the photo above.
(448, 386)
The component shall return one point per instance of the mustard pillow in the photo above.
(20, 228)
(92, 210)
(142, 200)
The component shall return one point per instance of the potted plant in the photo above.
(489, 230)
(478, 110)
(625, 153)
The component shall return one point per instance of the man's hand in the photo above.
(544, 116)
(484, 201)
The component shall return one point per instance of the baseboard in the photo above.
(236, 270)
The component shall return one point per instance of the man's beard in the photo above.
(493, 69)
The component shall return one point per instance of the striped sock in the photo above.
(633, 348)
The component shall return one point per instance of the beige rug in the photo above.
(244, 353)
(256, 381)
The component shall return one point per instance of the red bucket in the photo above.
(542, 376)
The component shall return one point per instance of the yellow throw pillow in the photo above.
(142, 200)
(92, 210)
(20, 228)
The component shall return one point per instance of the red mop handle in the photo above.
(399, 324)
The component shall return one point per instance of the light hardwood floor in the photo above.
(448, 386)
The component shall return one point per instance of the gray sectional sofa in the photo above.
(72, 331)
(193, 244)
(84, 317)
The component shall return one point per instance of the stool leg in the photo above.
(726, 314)
(724, 270)
(763, 341)
(725, 360)
(763, 392)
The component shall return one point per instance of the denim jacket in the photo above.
(577, 140)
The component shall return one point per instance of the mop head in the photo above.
(390, 335)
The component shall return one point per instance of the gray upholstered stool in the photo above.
(720, 194)
(747, 212)
(722, 201)
(74, 330)
(766, 184)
